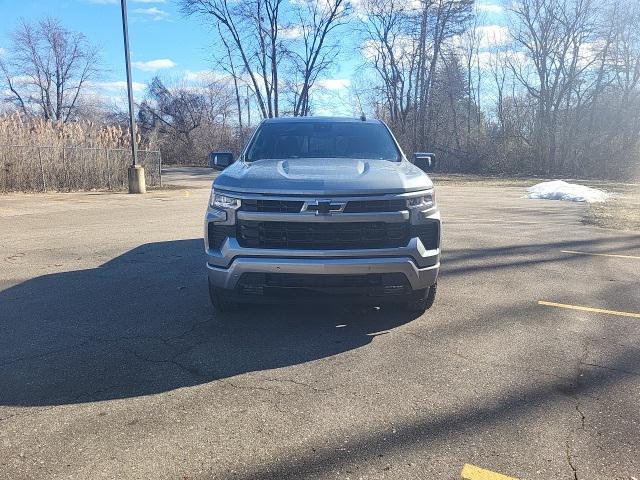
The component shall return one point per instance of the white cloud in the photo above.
(199, 79)
(21, 79)
(334, 83)
(403, 48)
(154, 65)
(488, 59)
(196, 76)
(489, 7)
(370, 49)
(118, 85)
(153, 12)
(361, 9)
(204, 76)
(291, 32)
(2, 52)
(331, 102)
(486, 36)
(313, 3)
(491, 35)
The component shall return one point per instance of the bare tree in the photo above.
(440, 21)
(390, 49)
(229, 66)
(188, 120)
(552, 35)
(471, 41)
(49, 69)
(259, 45)
(316, 21)
(406, 44)
(178, 110)
(251, 31)
(613, 127)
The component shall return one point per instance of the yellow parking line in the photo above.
(471, 472)
(601, 254)
(590, 309)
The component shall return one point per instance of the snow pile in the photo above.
(560, 190)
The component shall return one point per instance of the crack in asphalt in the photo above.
(252, 387)
(43, 354)
(190, 330)
(575, 381)
(570, 461)
(487, 362)
(168, 341)
(301, 384)
(173, 359)
(87, 339)
(582, 415)
(275, 390)
(574, 394)
(165, 340)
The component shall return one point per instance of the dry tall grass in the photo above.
(36, 155)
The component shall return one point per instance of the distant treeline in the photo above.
(549, 87)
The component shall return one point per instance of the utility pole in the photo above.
(136, 172)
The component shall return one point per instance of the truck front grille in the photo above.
(295, 206)
(278, 206)
(373, 284)
(322, 236)
(429, 234)
(372, 206)
(217, 234)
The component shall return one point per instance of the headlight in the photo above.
(219, 200)
(426, 201)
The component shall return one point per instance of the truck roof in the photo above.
(319, 119)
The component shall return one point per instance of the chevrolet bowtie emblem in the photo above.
(323, 207)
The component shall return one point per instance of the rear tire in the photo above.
(424, 302)
(218, 300)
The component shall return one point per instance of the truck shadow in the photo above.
(141, 324)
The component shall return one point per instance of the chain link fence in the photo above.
(31, 168)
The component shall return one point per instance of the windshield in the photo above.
(306, 139)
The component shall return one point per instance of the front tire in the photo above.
(423, 301)
(218, 300)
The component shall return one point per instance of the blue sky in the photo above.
(162, 41)
(165, 43)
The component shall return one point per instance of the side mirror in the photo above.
(220, 160)
(425, 161)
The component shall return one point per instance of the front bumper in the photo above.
(418, 278)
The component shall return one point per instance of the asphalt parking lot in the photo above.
(113, 364)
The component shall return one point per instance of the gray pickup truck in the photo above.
(318, 208)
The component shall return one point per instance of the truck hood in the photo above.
(324, 177)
